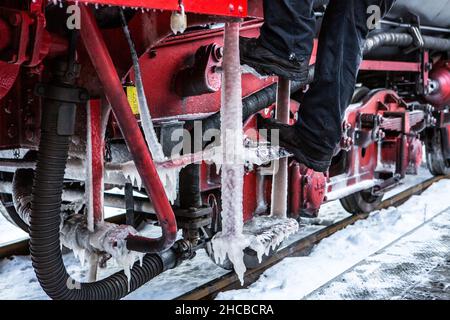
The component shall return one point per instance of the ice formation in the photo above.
(265, 233)
(107, 238)
(144, 111)
(231, 242)
(169, 178)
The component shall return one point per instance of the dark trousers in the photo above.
(289, 31)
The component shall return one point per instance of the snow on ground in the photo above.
(295, 277)
(406, 269)
(17, 279)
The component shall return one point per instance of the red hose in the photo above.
(103, 64)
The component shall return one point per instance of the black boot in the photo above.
(290, 139)
(267, 63)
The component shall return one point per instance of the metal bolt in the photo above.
(240, 9)
(231, 7)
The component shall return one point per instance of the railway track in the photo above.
(230, 281)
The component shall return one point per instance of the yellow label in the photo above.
(133, 99)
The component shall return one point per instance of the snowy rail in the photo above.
(230, 281)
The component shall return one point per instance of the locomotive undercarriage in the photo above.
(70, 132)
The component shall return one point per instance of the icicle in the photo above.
(266, 233)
(107, 237)
(230, 242)
(169, 178)
(144, 111)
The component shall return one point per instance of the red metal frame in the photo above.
(98, 52)
(171, 56)
(231, 8)
(95, 153)
(161, 57)
(374, 65)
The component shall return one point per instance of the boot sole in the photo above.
(275, 70)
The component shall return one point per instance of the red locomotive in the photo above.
(102, 102)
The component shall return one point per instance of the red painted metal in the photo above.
(112, 86)
(314, 186)
(373, 65)
(201, 77)
(25, 40)
(308, 190)
(295, 191)
(232, 8)
(5, 31)
(162, 56)
(95, 153)
(20, 22)
(367, 158)
(8, 75)
(441, 75)
(169, 57)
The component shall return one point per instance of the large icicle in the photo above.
(169, 178)
(144, 111)
(231, 242)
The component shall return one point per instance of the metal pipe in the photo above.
(110, 200)
(112, 86)
(113, 173)
(280, 177)
(407, 25)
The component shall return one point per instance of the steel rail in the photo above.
(230, 281)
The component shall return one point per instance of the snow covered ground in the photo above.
(296, 277)
(409, 268)
(291, 279)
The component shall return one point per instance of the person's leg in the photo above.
(286, 41)
(289, 28)
(344, 30)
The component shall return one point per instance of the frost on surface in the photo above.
(230, 242)
(266, 233)
(169, 178)
(107, 238)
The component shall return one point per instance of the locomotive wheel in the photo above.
(8, 210)
(361, 202)
(436, 162)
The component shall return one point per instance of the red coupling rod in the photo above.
(103, 64)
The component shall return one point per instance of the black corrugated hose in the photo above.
(396, 39)
(45, 220)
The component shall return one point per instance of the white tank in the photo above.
(434, 13)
